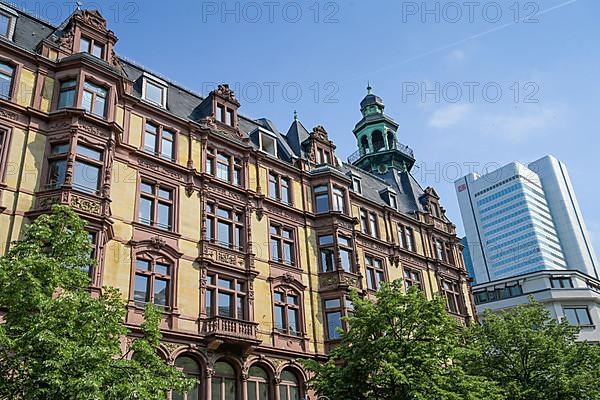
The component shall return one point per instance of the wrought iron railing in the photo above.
(404, 149)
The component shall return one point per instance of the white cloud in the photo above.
(448, 116)
(517, 125)
(456, 56)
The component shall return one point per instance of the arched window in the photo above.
(224, 382)
(390, 140)
(377, 140)
(192, 370)
(364, 143)
(289, 388)
(258, 384)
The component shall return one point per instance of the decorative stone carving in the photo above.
(158, 243)
(226, 93)
(94, 19)
(158, 168)
(86, 205)
(9, 115)
(94, 130)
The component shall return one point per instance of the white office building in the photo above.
(521, 219)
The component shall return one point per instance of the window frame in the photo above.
(152, 276)
(412, 277)
(286, 306)
(156, 200)
(83, 159)
(235, 167)
(158, 83)
(12, 75)
(211, 310)
(95, 95)
(376, 274)
(452, 293)
(157, 149)
(62, 90)
(557, 282)
(577, 316)
(11, 17)
(344, 308)
(336, 198)
(92, 44)
(281, 240)
(334, 249)
(277, 183)
(235, 221)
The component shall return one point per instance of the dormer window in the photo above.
(154, 91)
(91, 46)
(8, 20)
(323, 156)
(225, 115)
(268, 144)
(393, 203)
(356, 184)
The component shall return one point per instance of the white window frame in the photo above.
(13, 15)
(261, 134)
(147, 78)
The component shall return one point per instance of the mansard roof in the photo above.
(188, 105)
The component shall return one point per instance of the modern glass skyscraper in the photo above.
(521, 219)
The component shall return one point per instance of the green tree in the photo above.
(532, 356)
(399, 347)
(58, 341)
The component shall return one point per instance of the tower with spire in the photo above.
(377, 137)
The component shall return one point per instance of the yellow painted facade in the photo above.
(218, 217)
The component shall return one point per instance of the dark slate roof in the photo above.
(296, 135)
(371, 99)
(405, 186)
(188, 105)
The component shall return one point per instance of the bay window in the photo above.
(66, 94)
(94, 99)
(327, 252)
(335, 309)
(87, 167)
(322, 196)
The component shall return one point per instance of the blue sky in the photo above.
(542, 55)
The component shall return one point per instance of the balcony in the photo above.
(402, 148)
(220, 330)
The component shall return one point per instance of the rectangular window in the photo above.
(357, 185)
(409, 239)
(87, 169)
(156, 206)
(577, 316)
(439, 250)
(321, 199)
(333, 317)
(57, 165)
(225, 227)
(155, 93)
(327, 254)
(328, 257)
(282, 245)
(393, 202)
(373, 226)
(338, 200)
(227, 168)
(91, 46)
(5, 22)
(6, 78)
(152, 282)
(66, 96)
(159, 141)
(279, 188)
(400, 232)
(287, 311)
(412, 278)
(375, 272)
(451, 292)
(267, 144)
(561, 283)
(225, 297)
(94, 99)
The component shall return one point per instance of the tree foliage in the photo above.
(532, 356)
(58, 341)
(400, 347)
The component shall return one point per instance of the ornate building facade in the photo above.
(248, 238)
